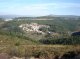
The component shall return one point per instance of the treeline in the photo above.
(72, 40)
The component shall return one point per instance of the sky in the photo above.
(39, 7)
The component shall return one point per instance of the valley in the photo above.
(31, 37)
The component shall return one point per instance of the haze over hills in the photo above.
(14, 16)
(8, 16)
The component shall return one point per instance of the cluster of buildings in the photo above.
(33, 27)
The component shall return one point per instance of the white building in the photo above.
(32, 27)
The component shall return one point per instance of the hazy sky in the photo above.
(40, 7)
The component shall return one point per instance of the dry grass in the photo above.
(41, 50)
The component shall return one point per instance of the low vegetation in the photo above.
(41, 51)
(57, 42)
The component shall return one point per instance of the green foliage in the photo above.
(65, 41)
(60, 25)
(57, 24)
(44, 29)
(17, 43)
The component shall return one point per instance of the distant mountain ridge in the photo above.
(47, 17)
(50, 17)
(8, 16)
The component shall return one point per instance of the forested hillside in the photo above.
(57, 23)
(61, 27)
(58, 41)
